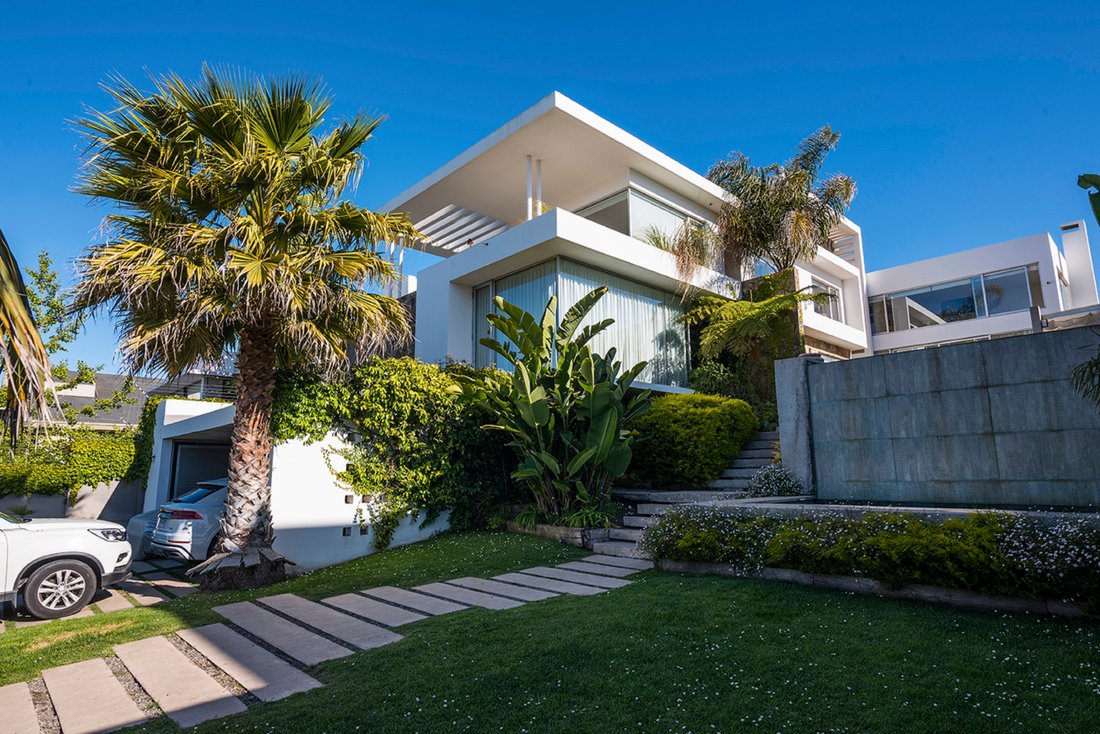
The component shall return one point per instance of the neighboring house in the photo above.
(993, 291)
(192, 385)
(559, 201)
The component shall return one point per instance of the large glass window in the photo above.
(646, 324)
(832, 307)
(977, 297)
(633, 213)
(612, 212)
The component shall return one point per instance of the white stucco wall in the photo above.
(310, 510)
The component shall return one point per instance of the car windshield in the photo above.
(198, 494)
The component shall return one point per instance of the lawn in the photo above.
(669, 653)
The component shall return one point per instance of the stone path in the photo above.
(264, 649)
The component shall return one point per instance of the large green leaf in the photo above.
(575, 315)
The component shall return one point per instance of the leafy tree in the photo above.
(780, 213)
(569, 412)
(739, 327)
(26, 363)
(230, 233)
(59, 326)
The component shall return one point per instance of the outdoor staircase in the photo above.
(644, 505)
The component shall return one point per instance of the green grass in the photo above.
(678, 653)
(24, 653)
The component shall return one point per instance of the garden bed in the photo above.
(870, 587)
(580, 537)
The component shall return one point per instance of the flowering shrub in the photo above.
(987, 552)
(774, 481)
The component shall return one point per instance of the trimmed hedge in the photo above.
(73, 458)
(987, 552)
(691, 438)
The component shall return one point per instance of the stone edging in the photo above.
(870, 587)
(580, 537)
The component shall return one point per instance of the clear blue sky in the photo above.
(964, 123)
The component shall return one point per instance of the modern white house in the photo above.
(559, 200)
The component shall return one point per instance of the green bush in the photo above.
(72, 458)
(413, 446)
(716, 378)
(774, 481)
(690, 439)
(992, 553)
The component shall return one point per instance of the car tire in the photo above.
(58, 589)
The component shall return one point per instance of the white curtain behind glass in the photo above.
(530, 290)
(645, 328)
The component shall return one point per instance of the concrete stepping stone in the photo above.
(597, 569)
(373, 610)
(113, 602)
(144, 594)
(182, 689)
(143, 567)
(412, 600)
(468, 596)
(165, 581)
(511, 591)
(17, 708)
(308, 648)
(343, 627)
(167, 563)
(262, 673)
(541, 582)
(635, 563)
(576, 578)
(88, 698)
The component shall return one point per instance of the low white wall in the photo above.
(311, 511)
(112, 501)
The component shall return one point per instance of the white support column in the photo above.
(530, 201)
(538, 186)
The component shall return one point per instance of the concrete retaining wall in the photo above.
(114, 501)
(993, 422)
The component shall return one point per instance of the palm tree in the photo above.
(229, 235)
(26, 363)
(780, 213)
(1091, 181)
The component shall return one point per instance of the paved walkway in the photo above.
(153, 581)
(263, 651)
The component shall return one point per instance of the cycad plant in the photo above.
(568, 410)
(230, 235)
(780, 214)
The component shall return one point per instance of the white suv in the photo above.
(57, 565)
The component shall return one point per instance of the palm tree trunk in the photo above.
(245, 558)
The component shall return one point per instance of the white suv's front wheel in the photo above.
(58, 589)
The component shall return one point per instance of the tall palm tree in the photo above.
(229, 235)
(780, 213)
(1091, 181)
(26, 364)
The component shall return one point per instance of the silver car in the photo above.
(188, 526)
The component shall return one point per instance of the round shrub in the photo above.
(774, 481)
(690, 439)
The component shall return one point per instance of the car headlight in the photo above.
(111, 534)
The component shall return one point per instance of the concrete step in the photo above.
(509, 591)
(412, 600)
(598, 569)
(768, 454)
(757, 463)
(636, 563)
(767, 436)
(631, 534)
(638, 521)
(468, 596)
(308, 648)
(343, 627)
(759, 446)
(18, 708)
(88, 698)
(575, 577)
(739, 473)
(182, 689)
(663, 496)
(730, 485)
(264, 674)
(545, 584)
(374, 610)
(618, 548)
